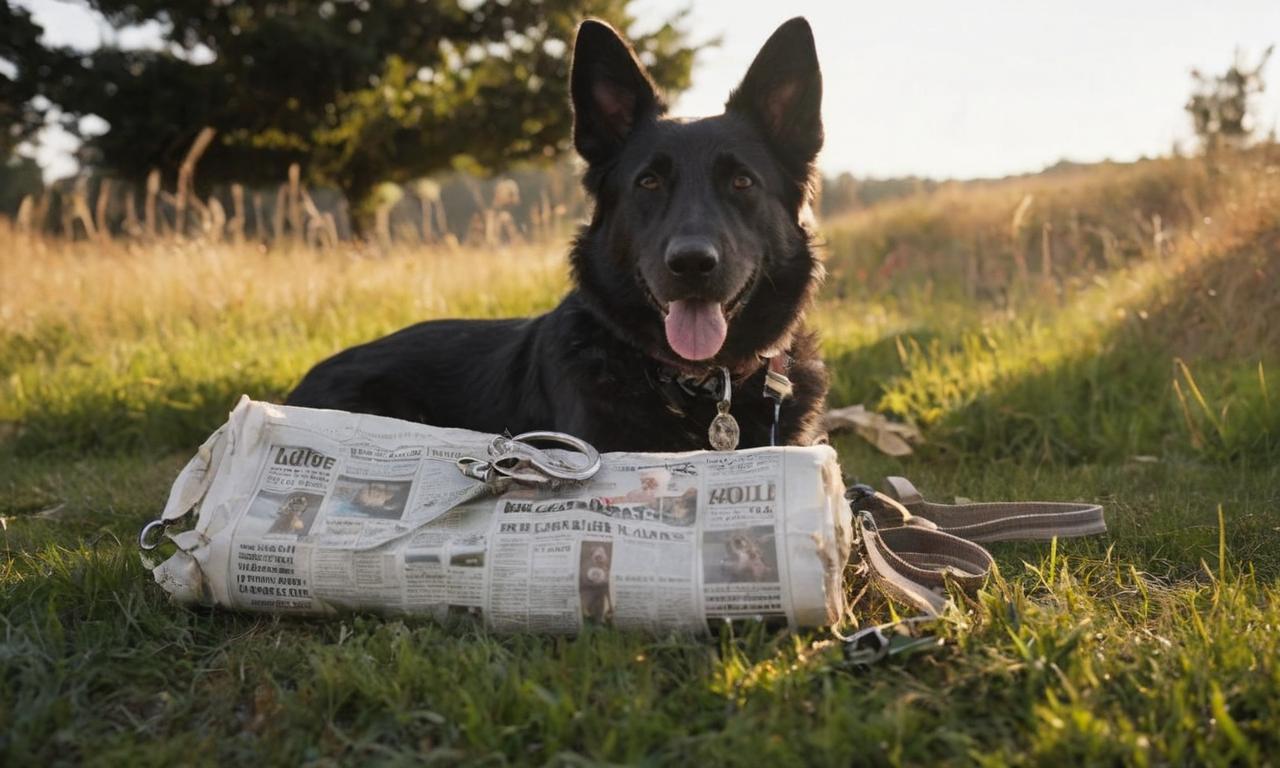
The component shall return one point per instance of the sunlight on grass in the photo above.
(1080, 365)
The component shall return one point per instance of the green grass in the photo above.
(1119, 649)
(1128, 384)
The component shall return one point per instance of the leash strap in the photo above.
(777, 387)
(913, 547)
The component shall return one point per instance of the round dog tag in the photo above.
(724, 431)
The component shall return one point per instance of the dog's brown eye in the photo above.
(649, 181)
(742, 181)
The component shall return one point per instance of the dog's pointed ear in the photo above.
(782, 92)
(611, 91)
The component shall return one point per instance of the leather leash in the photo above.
(913, 547)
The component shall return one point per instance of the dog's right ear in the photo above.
(612, 93)
(782, 93)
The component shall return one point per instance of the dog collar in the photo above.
(681, 390)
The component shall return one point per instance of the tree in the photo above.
(1219, 105)
(359, 92)
(19, 177)
(20, 116)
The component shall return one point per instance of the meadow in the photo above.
(1107, 333)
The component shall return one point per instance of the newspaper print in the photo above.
(311, 535)
(741, 570)
(620, 552)
(312, 512)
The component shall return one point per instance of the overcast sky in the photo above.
(951, 89)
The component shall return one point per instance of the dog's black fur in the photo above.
(729, 192)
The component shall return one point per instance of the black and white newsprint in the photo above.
(313, 512)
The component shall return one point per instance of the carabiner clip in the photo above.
(517, 459)
(870, 645)
(866, 646)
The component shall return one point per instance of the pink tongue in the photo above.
(695, 329)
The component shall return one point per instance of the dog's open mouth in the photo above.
(696, 328)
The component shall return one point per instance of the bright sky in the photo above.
(992, 87)
(953, 89)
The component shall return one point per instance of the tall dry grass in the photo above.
(104, 293)
(122, 344)
(1040, 236)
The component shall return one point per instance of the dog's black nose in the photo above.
(692, 256)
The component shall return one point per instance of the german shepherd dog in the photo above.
(697, 264)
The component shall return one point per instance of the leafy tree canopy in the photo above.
(358, 91)
(1220, 104)
(19, 42)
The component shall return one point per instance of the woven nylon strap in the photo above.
(913, 547)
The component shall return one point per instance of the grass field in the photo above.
(1107, 333)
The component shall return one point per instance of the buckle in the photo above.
(857, 493)
(777, 386)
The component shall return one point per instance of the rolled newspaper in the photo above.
(306, 511)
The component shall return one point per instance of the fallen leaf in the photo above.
(892, 438)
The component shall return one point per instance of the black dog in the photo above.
(697, 261)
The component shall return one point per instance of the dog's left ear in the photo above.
(612, 93)
(782, 93)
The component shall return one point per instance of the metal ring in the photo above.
(517, 458)
(143, 543)
(553, 467)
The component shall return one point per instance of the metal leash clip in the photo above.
(518, 459)
(872, 644)
(152, 534)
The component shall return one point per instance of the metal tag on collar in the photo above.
(724, 432)
(777, 386)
